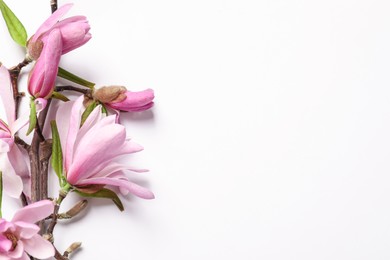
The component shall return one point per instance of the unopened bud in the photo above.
(75, 210)
(110, 94)
(73, 247)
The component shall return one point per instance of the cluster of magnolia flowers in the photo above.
(83, 163)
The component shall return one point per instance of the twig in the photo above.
(14, 74)
(35, 168)
(22, 143)
(53, 4)
(72, 88)
(45, 150)
(53, 222)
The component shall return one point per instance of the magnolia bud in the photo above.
(75, 210)
(73, 247)
(110, 94)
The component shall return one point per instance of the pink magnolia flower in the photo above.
(91, 151)
(20, 237)
(119, 98)
(52, 39)
(74, 32)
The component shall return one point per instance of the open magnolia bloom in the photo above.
(20, 237)
(91, 152)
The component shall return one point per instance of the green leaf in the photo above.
(15, 27)
(87, 112)
(56, 156)
(104, 110)
(58, 95)
(104, 193)
(33, 117)
(76, 79)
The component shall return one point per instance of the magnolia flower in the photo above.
(20, 237)
(119, 98)
(74, 32)
(91, 151)
(14, 167)
(51, 40)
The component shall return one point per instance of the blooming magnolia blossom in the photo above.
(52, 39)
(119, 98)
(91, 151)
(20, 237)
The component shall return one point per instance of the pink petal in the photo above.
(34, 212)
(38, 247)
(17, 252)
(51, 21)
(26, 230)
(51, 54)
(19, 164)
(130, 186)
(43, 75)
(5, 244)
(74, 126)
(63, 115)
(24, 257)
(7, 94)
(12, 183)
(135, 101)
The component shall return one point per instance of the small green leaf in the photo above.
(76, 79)
(87, 112)
(56, 156)
(104, 193)
(104, 110)
(58, 95)
(15, 27)
(33, 117)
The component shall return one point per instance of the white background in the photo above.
(270, 134)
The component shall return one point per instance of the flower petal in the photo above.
(74, 126)
(7, 94)
(26, 230)
(5, 244)
(19, 164)
(17, 252)
(34, 212)
(12, 183)
(38, 247)
(51, 21)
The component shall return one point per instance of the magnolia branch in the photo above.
(14, 74)
(72, 88)
(53, 4)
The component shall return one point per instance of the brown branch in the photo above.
(54, 5)
(14, 74)
(72, 88)
(54, 219)
(22, 143)
(35, 168)
(45, 150)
